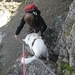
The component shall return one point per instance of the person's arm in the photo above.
(43, 24)
(19, 28)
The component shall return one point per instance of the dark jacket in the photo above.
(38, 25)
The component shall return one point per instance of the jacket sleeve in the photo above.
(19, 28)
(43, 24)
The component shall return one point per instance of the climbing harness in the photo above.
(24, 65)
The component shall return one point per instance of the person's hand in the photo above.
(16, 37)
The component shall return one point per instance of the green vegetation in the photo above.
(65, 69)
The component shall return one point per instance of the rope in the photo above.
(23, 56)
(24, 65)
(39, 61)
(45, 66)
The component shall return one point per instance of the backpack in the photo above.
(30, 8)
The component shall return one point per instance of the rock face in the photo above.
(69, 33)
(66, 44)
(60, 37)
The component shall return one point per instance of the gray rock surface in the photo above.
(55, 15)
